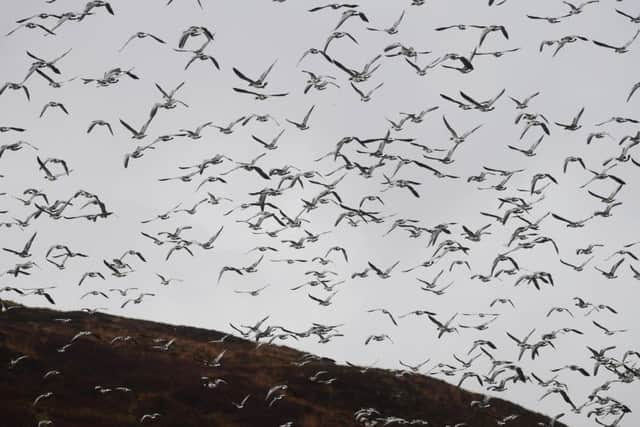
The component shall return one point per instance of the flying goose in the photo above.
(260, 96)
(25, 252)
(444, 327)
(54, 104)
(366, 97)
(260, 82)
(141, 35)
(304, 124)
(393, 29)
(619, 49)
(611, 274)
(349, 13)
(384, 311)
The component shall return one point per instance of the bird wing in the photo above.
(446, 123)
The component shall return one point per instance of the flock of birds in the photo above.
(380, 160)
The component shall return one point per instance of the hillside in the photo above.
(170, 382)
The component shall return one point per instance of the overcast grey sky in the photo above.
(250, 35)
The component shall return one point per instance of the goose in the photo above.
(199, 55)
(39, 64)
(548, 19)
(414, 368)
(559, 310)
(538, 177)
(568, 40)
(249, 269)
(333, 6)
(260, 96)
(531, 151)
(338, 35)
(385, 312)
(50, 374)
(551, 422)
(320, 84)
(337, 249)
(618, 49)
(41, 397)
(483, 106)
(633, 19)
(572, 224)
(383, 274)
(459, 27)
(618, 119)
(349, 13)
(169, 100)
(573, 126)
(459, 138)
(603, 174)
(138, 299)
(437, 292)
(93, 4)
(524, 104)
(399, 49)
(194, 31)
(54, 104)
(242, 403)
(166, 281)
(365, 97)
(606, 213)
(402, 183)
(470, 375)
(323, 302)
(444, 327)
(139, 134)
(572, 159)
(600, 307)
(422, 71)
(149, 417)
(495, 53)
(393, 29)
(304, 124)
(419, 117)
(460, 104)
(279, 388)
(25, 251)
(95, 123)
(4, 129)
(165, 346)
(575, 9)
(119, 338)
(579, 267)
(488, 29)
(31, 26)
(227, 130)
(260, 82)
(562, 393)
(254, 292)
(41, 16)
(377, 338)
(42, 292)
(611, 274)
(141, 35)
(269, 145)
(16, 86)
(196, 133)
(14, 362)
(182, 245)
(608, 331)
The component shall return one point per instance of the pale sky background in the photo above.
(250, 35)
